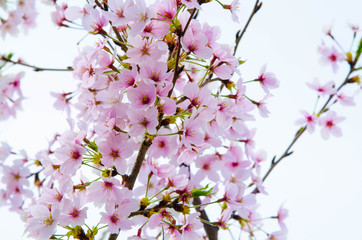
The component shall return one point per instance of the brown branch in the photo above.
(211, 231)
(300, 132)
(36, 69)
(256, 8)
(131, 179)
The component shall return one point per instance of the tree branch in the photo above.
(300, 132)
(35, 68)
(256, 8)
(211, 231)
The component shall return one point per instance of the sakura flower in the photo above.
(5, 151)
(117, 13)
(107, 189)
(225, 216)
(43, 222)
(62, 102)
(190, 227)
(73, 213)
(140, 14)
(143, 96)
(143, 50)
(267, 80)
(282, 215)
(192, 132)
(163, 145)
(328, 124)
(115, 149)
(128, 77)
(207, 165)
(234, 8)
(323, 90)
(310, 120)
(142, 121)
(155, 73)
(279, 235)
(116, 219)
(156, 218)
(331, 56)
(196, 43)
(71, 157)
(345, 100)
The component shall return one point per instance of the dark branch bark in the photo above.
(211, 231)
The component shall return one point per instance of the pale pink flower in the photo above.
(142, 121)
(143, 96)
(156, 218)
(191, 4)
(224, 218)
(309, 120)
(163, 146)
(345, 100)
(62, 101)
(279, 235)
(140, 14)
(331, 56)
(267, 80)
(115, 150)
(196, 43)
(117, 13)
(128, 77)
(116, 219)
(71, 158)
(43, 222)
(143, 50)
(73, 212)
(282, 215)
(5, 151)
(190, 227)
(107, 190)
(328, 124)
(155, 73)
(323, 90)
(192, 132)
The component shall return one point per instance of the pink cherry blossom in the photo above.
(323, 90)
(267, 80)
(309, 120)
(329, 125)
(331, 56)
(43, 222)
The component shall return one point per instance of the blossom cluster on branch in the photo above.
(159, 134)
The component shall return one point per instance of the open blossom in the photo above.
(142, 121)
(71, 157)
(323, 90)
(330, 55)
(143, 96)
(310, 120)
(73, 213)
(267, 80)
(329, 125)
(116, 219)
(43, 222)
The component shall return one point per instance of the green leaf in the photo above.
(359, 51)
(202, 191)
(93, 146)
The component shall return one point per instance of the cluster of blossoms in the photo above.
(161, 136)
(10, 93)
(15, 15)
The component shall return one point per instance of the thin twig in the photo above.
(35, 68)
(256, 8)
(300, 132)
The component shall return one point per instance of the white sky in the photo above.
(320, 184)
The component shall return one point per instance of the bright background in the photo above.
(320, 184)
